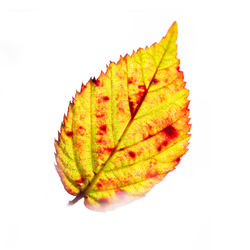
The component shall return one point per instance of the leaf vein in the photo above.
(89, 186)
(142, 160)
(126, 185)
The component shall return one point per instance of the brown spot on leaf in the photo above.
(69, 133)
(99, 140)
(105, 98)
(108, 149)
(131, 154)
(150, 127)
(178, 160)
(100, 115)
(162, 145)
(103, 128)
(99, 185)
(155, 81)
(171, 132)
(130, 80)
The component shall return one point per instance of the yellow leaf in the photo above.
(127, 129)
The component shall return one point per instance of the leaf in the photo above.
(127, 129)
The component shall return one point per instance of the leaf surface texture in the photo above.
(127, 129)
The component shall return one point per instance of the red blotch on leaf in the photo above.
(103, 128)
(171, 132)
(162, 145)
(150, 174)
(99, 185)
(155, 81)
(108, 149)
(69, 133)
(139, 96)
(131, 154)
(142, 87)
(81, 130)
(80, 181)
(131, 107)
(130, 80)
(105, 98)
(96, 81)
(100, 115)
(99, 140)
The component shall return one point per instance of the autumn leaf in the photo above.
(127, 129)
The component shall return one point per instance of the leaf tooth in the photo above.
(58, 137)
(133, 53)
(120, 60)
(83, 87)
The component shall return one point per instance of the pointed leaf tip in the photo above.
(174, 25)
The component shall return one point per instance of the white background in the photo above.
(48, 48)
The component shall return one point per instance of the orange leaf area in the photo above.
(127, 129)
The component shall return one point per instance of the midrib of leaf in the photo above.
(84, 192)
